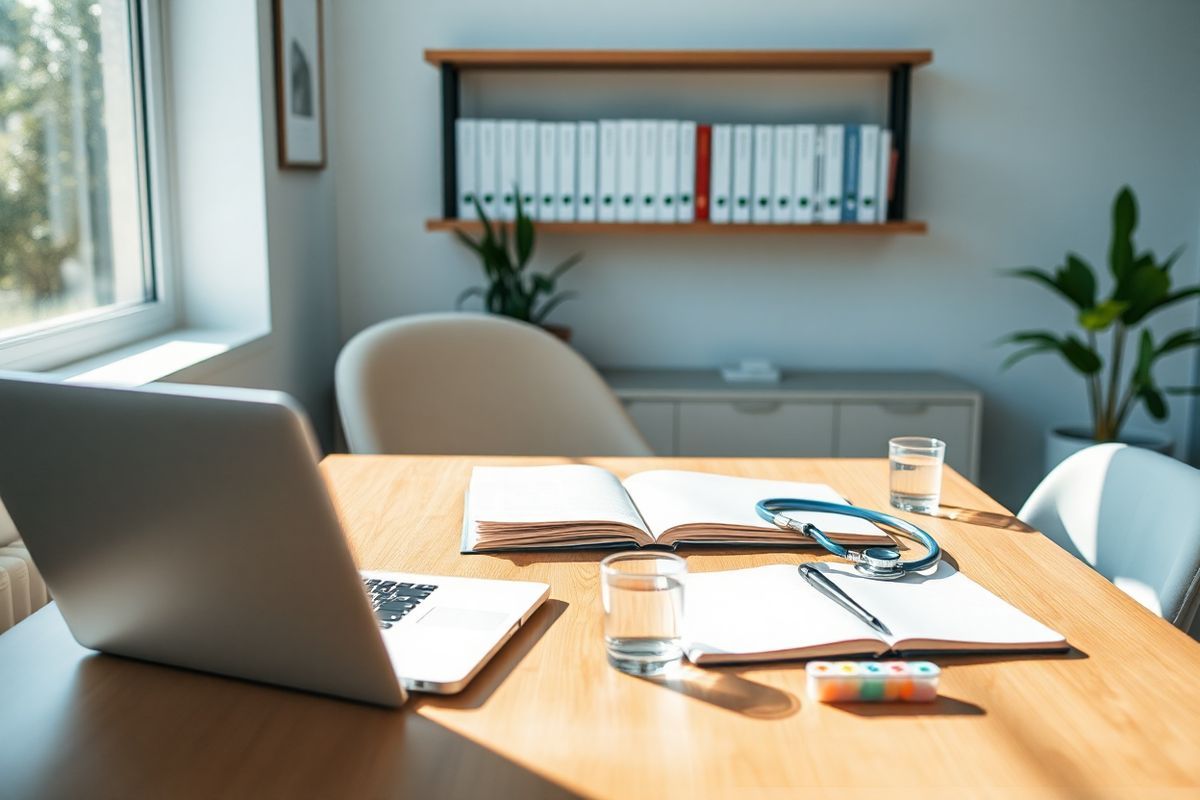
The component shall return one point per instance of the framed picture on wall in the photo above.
(299, 84)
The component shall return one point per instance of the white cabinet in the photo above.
(764, 427)
(656, 420)
(848, 414)
(865, 427)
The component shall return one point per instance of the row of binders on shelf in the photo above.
(674, 171)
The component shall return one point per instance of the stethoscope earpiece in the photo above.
(880, 563)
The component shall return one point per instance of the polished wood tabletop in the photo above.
(1117, 716)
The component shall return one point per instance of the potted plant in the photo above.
(1141, 287)
(512, 290)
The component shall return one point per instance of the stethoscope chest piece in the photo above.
(882, 563)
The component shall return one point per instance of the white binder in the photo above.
(764, 164)
(647, 170)
(488, 166)
(627, 175)
(527, 166)
(884, 173)
(868, 173)
(608, 196)
(831, 173)
(547, 171)
(785, 174)
(685, 205)
(804, 183)
(466, 165)
(720, 184)
(566, 171)
(585, 193)
(668, 170)
(507, 182)
(743, 163)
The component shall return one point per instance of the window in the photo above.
(76, 254)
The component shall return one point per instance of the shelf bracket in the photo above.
(450, 111)
(899, 100)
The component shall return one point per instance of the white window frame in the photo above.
(74, 337)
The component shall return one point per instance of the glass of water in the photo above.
(916, 472)
(642, 594)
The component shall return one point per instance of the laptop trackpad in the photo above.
(470, 619)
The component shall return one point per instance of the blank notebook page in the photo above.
(566, 493)
(670, 498)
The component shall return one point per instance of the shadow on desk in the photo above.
(728, 690)
(130, 729)
(988, 519)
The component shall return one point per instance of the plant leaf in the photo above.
(1100, 317)
(468, 241)
(1178, 341)
(474, 291)
(1146, 357)
(1171, 259)
(1082, 357)
(1021, 355)
(550, 305)
(1050, 281)
(1183, 390)
(1156, 404)
(525, 237)
(561, 269)
(1143, 289)
(542, 284)
(1175, 297)
(1124, 214)
(1078, 281)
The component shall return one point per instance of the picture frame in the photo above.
(300, 83)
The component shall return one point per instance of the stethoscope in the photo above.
(882, 563)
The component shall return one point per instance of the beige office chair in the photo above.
(22, 590)
(476, 384)
(1134, 516)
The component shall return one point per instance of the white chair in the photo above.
(476, 384)
(1134, 516)
(22, 590)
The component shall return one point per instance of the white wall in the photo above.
(1030, 118)
(297, 356)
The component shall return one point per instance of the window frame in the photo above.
(60, 341)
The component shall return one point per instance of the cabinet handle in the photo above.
(914, 407)
(756, 406)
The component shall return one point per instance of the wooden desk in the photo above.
(1120, 716)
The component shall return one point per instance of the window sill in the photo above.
(158, 357)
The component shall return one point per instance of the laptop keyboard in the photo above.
(392, 600)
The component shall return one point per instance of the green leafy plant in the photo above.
(512, 290)
(1141, 286)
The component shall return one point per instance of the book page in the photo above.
(940, 608)
(567, 493)
(764, 612)
(671, 498)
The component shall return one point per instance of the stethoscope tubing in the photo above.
(771, 508)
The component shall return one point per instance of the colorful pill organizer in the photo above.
(873, 681)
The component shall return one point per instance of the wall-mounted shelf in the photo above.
(898, 226)
(897, 64)
(816, 60)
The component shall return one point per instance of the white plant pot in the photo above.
(1066, 441)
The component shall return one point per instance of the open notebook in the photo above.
(772, 613)
(578, 505)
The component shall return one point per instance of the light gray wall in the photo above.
(298, 354)
(1030, 118)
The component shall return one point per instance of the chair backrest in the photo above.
(476, 384)
(1134, 515)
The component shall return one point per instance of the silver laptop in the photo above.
(190, 525)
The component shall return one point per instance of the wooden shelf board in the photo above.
(579, 228)
(814, 60)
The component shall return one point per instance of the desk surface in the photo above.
(549, 718)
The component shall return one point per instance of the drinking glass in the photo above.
(642, 594)
(916, 472)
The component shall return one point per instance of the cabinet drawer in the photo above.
(656, 421)
(864, 429)
(755, 428)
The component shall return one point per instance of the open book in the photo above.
(577, 505)
(772, 613)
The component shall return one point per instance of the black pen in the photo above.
(830, 590)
